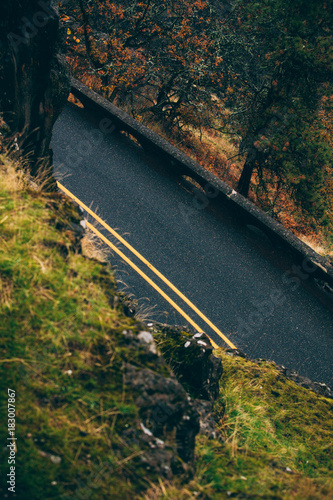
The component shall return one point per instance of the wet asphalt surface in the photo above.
(250, 289)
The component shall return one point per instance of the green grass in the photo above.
(62, 351)
(276, 438)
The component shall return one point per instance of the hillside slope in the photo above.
(87, 383)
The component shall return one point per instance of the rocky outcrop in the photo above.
(169, 421)
(168, 417)
(318, 387)
(191, 358)
(34, 77)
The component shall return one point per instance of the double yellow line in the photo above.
(151, 267)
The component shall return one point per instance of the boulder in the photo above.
(191, 358)
(174, 405)
(166, 412)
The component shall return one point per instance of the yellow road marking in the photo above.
(148, 264)
(138, 270)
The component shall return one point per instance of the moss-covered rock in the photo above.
(191, 358)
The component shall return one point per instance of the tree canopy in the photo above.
(259, 71)
(280, 85)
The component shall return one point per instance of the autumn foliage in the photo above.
(259, 72)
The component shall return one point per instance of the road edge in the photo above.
(312, 263)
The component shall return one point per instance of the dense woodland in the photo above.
(253, 77)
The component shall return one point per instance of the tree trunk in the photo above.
(163, 95)
(34, 77)
(245, 178)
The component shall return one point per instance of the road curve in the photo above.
(263, 302)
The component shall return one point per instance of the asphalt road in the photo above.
(233, 274)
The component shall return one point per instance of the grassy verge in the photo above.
(62, 351)
(278, 437)
(275, 438)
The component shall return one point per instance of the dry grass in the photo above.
(93, 247)
(168, 491)
(6, 293)
(318, 246)
(13, 177)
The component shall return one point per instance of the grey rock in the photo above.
(163, 404)
(206, 419)
(147, 338)
(192, 360)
